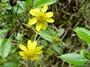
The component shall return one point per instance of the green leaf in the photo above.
(60, 31)
(19, 37)
(28, 2)
(57, 48)
(83, 52)
(73, 58)
(47, 34)
(82, 65)
(20, 7)
(33, 37)
(88, 44)
(83, 34)
(4, 0)
(62, 44)
(11, 18)
(40, 3)
(50, 51)
(44, 43)
(2, 32)
(1, 40)
(88, 55)
(13, 49)
(5, 47)
(10, 64)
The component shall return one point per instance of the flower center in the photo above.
(29, 54)
(41, 17)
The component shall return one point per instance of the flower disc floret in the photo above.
(41, 17)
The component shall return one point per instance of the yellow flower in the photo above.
(31, 51)
(41, 17)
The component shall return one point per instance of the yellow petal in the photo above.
(34, 45)
(44, 8)
(49, 14)
(22, 53)
(34, 12)
(32, 21)
(38, 52)
(44, 26)
(38, 26)
(38, 49)
(24, 57)
(23, 47)
(29, 45)
(50, 20)
(34, 57)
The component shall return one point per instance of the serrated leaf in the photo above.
(73, 58)
(5, 47)
(40, 3)
(83, 34)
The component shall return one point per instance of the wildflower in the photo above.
(41, 17)
(31, 51)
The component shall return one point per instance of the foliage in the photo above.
(73, 58)
(64, 43)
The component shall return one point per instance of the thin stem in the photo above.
(36, 33)
(83, 4)
(11, 35)
(35, 37)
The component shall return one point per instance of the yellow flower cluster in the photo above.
(31, 51)
(41, 17)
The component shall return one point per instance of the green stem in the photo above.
(35, 37)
